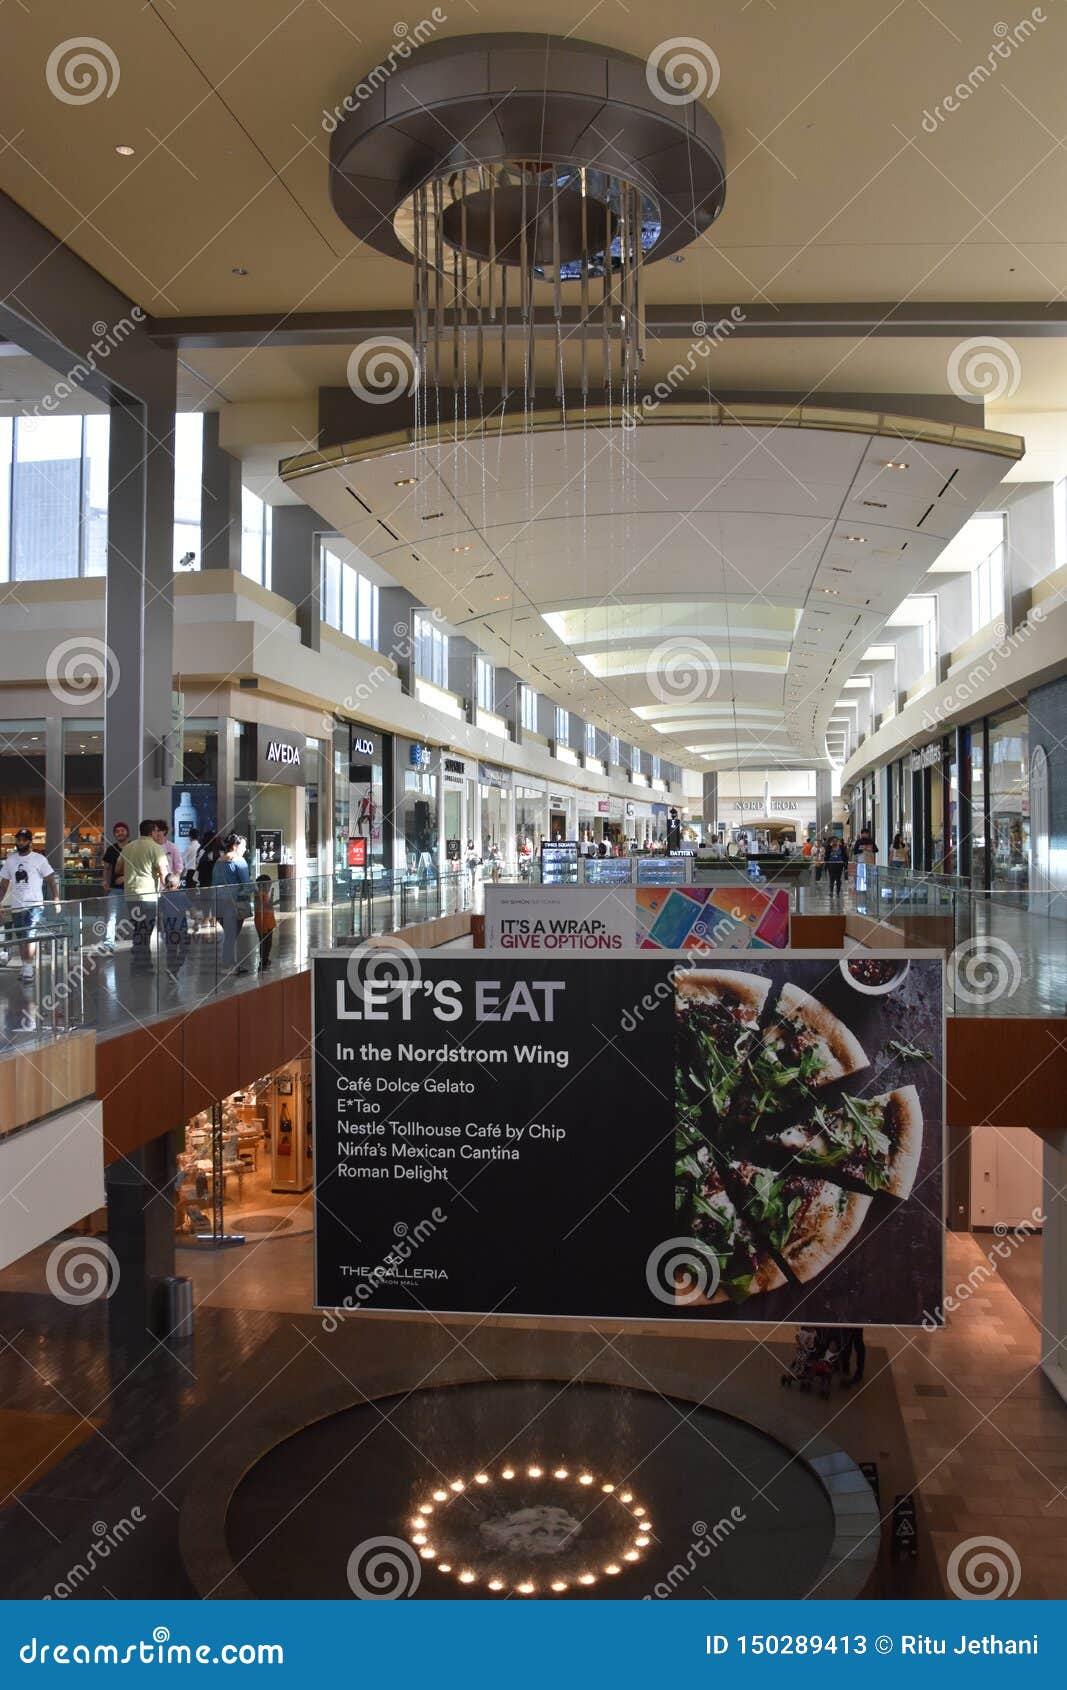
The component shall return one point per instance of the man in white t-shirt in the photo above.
(26, 879)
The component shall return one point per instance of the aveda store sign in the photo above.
(280, 756)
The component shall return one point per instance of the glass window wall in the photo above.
(1009, 801)
(188, 477)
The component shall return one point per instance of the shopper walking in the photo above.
(835, 856)
(114, 882)
(899, 855)
(26, 880)
(473, 864)
(144, 869)
(230, 880)
(264, 917)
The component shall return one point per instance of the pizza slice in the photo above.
(717, 1016)
(876, 1141)
(805, 1035)
(807, 1221)
(744, 1269)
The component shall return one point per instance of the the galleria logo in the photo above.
(277, 752)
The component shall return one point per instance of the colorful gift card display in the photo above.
(722, 918)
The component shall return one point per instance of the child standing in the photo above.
(264, 917)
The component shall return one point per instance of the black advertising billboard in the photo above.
(630, 1137)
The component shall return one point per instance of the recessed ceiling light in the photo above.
(855, 539)
(239, 270)
(124, 151)
(894, 463)
(461, 548)
(677, 258)
(831, 590)
(406, 481)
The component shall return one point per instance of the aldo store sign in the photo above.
(280, 756)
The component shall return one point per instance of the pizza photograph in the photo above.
(809, 1111)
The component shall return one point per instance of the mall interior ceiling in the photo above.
(262, 208)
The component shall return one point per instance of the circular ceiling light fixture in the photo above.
(528, 180)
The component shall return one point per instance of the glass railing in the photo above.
(112, 963)
(115, 963)
(1006, 950)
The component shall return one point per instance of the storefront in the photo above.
(962, 803)
(923, 783)
(562, 816)
(589, 814)
(418, 771)
(280, 778)
(83, 806)
(1009, 801)
(248, 1160)
(362, 805)
(494, 808)
(458, 789)
(529, 822)
(22, 782)
(611, 817)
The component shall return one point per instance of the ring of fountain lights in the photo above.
(429, 1523)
